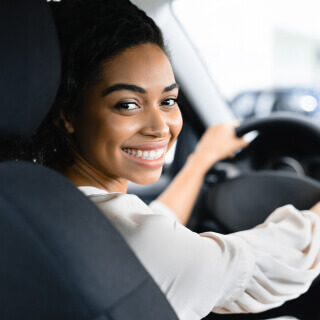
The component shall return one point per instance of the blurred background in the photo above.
(264, 55)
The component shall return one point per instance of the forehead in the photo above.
(145, 65)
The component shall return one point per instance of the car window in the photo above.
(258, 51)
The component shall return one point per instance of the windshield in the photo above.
(264, 55)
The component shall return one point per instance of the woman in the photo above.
(114, 119)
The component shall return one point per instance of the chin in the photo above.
(147, 179)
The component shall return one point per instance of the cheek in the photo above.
(175, 123)
(96, 132)
(119, 129)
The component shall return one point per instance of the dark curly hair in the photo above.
(90, 33)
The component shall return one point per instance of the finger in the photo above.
(242, 143)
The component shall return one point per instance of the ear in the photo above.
(66, 121)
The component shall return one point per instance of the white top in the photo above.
(247, 271)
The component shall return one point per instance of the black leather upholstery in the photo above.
(61, 258)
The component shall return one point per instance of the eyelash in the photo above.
(124, 105)
(173, 99)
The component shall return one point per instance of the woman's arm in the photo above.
(248, 271)
(181, 194)
(285, 250)
(217, 143)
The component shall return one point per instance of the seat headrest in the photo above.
(30, 65)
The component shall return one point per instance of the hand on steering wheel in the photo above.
(217, 143)
(243, 201)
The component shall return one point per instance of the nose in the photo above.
(155, 123)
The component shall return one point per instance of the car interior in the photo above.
(63, 259)
(281, 162)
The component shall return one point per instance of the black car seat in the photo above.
(60, 256)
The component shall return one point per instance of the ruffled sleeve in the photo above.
(286, 260)
(248, 271)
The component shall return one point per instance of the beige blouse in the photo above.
(247, 271)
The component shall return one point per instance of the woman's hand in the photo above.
(218, 142)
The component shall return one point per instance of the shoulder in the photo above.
(102, 197)
(189, 268)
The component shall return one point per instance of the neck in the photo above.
(82, 173)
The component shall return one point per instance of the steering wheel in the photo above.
(281, 166)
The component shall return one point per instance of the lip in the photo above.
(149, 146)
(153, 164)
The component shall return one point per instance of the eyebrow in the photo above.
(132, 87)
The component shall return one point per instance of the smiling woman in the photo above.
(114, 119)
(129, 121)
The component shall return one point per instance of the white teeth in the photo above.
(145, 155)
(152, 155)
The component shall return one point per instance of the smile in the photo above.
(143, 154)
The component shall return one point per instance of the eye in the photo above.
(169, 102)
(126, 105)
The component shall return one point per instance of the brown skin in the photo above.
(101, 130)
(218, 142)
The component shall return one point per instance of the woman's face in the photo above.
(130, 114)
